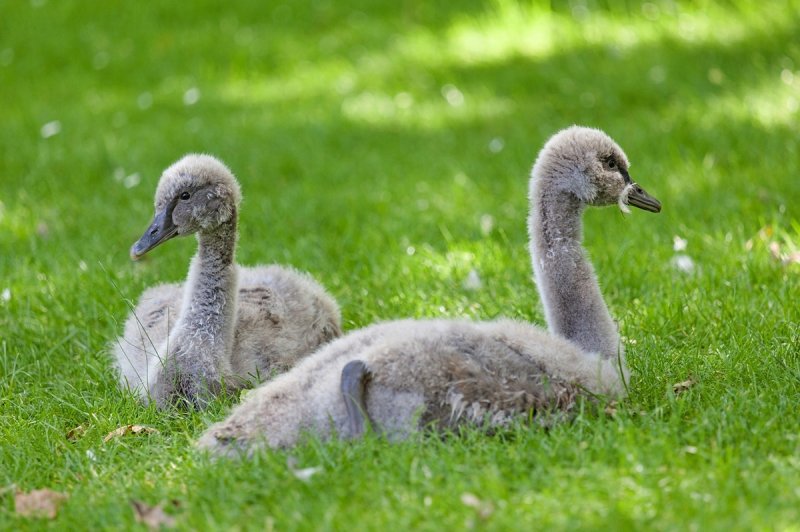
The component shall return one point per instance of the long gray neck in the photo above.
(204, 333)
(573, 305)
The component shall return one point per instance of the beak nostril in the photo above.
(154, 231)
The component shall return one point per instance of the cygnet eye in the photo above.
(185, 195)
(612, 164)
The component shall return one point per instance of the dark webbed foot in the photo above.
(354, 380)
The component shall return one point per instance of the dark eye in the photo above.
(185, 195)
(612, 164)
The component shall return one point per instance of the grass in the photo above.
(385, 149)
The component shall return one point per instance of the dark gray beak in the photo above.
(641, 199)
(161, 230)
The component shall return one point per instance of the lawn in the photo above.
(385, 148)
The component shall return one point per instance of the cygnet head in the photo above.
(196, 194)
(590, 165)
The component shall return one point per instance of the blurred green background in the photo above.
(385, 148)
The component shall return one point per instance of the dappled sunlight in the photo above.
(335, 82)
(305, 81)
(359, 84)
(509, 29)
(431, 113)
(769, 103)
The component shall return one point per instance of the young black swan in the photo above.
(403, 375)
(228, 323)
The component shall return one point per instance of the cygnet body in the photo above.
(404, 375)
(227, 325)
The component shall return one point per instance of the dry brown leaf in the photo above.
(484, 508)
(76, 433)
(153, 517)
(39, 503)
(680, 387)
(129, 429)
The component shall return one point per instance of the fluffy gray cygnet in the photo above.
(398, 377)
(227, 325)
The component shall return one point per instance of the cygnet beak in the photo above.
(641, 199)
(161, 230)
